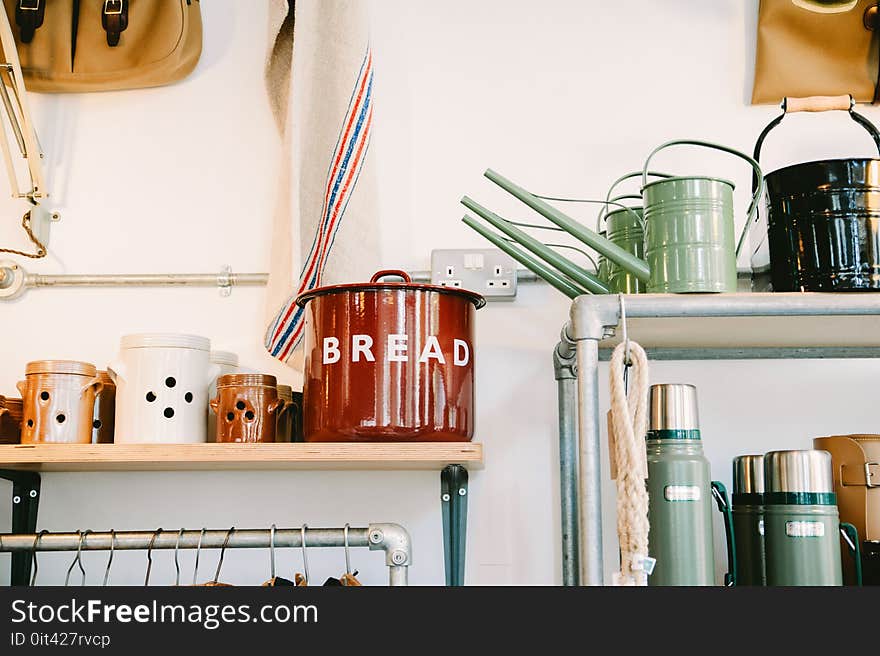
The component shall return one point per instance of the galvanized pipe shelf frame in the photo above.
(576, 363)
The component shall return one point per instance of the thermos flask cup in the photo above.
(748, 519)
(801, 524)
(679, 490)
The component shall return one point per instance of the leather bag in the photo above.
(70, 46)
(855, 460)
(803, 52)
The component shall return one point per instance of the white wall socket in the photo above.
(487, 271)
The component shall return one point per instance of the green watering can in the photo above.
(625, 227)
(688, 227)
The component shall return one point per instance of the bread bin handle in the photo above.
(391, 272)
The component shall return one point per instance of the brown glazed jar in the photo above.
(105, 411)
(389, 361)
(246, 407)
(59, 401)
(11, 415)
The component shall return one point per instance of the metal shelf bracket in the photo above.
(25, 503)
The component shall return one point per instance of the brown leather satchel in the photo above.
(804, 51)
(855, 460)
(103, 45)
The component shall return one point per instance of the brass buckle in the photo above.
(29, 5)
(112, 12)
(868, 474)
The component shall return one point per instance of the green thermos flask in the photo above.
(801, 525)
(680, 491)
(748, 519)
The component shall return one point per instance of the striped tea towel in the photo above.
(319, 76)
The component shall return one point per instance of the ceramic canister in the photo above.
(11, 415)
(59, 399)
(104, 417)
(246, 406)
(162, 383)
(228, 364)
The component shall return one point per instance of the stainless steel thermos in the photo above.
(748, 519)
(801, 524)
(680, 491)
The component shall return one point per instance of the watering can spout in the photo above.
(611, 251)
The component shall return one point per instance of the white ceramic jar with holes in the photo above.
(162, 383)
(228, 364)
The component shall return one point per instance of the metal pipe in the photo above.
(590, 479)
(213, 539)
(146, 279)
(566, 390)
(398, 575)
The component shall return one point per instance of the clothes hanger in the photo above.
(216, 581)
(302, 580)
(34, 552)
(198, 552)
(348, 579)
(78, 559)
(110, 559)
(176, 560)
(274, 580)
(150, 556)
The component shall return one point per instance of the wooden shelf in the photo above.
(170, 457)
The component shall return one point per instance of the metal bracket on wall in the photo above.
(453, 502)
(25, 503)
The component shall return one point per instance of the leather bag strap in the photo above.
(114, 20)
(29, 16)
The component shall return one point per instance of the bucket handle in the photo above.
(756, 169)
(391, 272)
(815, 104)
(721, 498)
(850, 535)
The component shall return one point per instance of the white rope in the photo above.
(629, 423)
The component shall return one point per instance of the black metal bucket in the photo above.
(823, 221)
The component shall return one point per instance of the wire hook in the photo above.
(34, 552)
(626, 359)
(198, 552)
(347, 555)
(110, 559)
(272, 552)
(305, 555)
(150, 555)
(176, 558)
(78, 558)
(223, 553)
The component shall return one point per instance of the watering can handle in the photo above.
(850, 535)
(756, 170)
(816, 104)
(721, 498)
(624, 178)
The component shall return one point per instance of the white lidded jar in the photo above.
(162, 383)
(228, 364)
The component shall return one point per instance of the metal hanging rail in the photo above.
(393, 539)
(594, 318)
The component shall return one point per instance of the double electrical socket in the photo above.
(487, 271)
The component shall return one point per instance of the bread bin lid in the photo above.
(224, 357)
(165, 340)
(60, 367)
(375, 285)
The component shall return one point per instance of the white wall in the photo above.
(562, 96)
